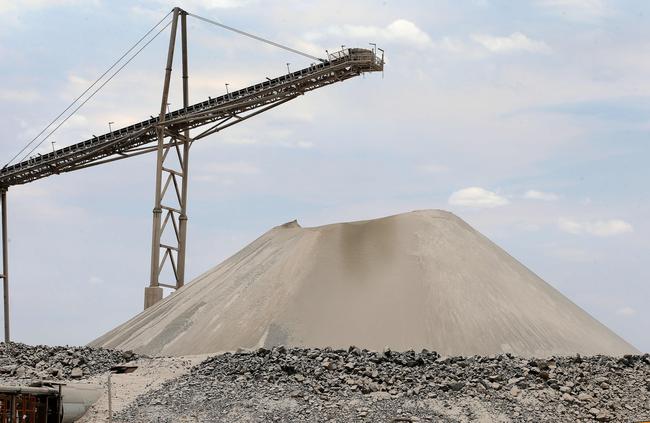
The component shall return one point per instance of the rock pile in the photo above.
(293, 384)
(20, 361)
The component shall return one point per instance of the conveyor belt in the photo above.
(220, 112)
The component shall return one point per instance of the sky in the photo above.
(529, 120)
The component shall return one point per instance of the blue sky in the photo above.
(527, 119)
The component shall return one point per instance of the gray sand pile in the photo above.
(417, 280)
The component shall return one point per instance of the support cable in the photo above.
(255, 37)
(84, 93)
(95, 92)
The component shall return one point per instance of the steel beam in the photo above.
(153, 293)
(5, 262)
(182, 245)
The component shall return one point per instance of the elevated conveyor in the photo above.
(215, 113)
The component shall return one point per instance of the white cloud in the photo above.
(577, 10)
(477, 197)
(514, 42)
(452, 45)
(400, 30)
(602, 228)
(77, 121)
(404, 30)
(626, 311)
(533, 194)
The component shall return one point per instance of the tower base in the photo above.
(152, 294)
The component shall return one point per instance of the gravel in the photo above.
(326, 385)
(319, 385)
(20, 362)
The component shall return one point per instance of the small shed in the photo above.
(30, 404)
(46, 402)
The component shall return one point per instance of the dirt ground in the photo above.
(150, 375)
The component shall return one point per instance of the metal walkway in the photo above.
(220, 113)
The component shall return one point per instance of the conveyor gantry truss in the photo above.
(220, 112)
(168, 134)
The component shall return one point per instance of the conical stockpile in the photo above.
(417, 280)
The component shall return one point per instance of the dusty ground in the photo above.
(150, 375)
(22, 365)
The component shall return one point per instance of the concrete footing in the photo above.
(152, 294)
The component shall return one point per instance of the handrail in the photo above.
(350, 62)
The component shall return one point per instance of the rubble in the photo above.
(314, 385)
(20, 361)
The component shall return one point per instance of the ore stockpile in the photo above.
(424, 279)
(318, 385)
(20, 362)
